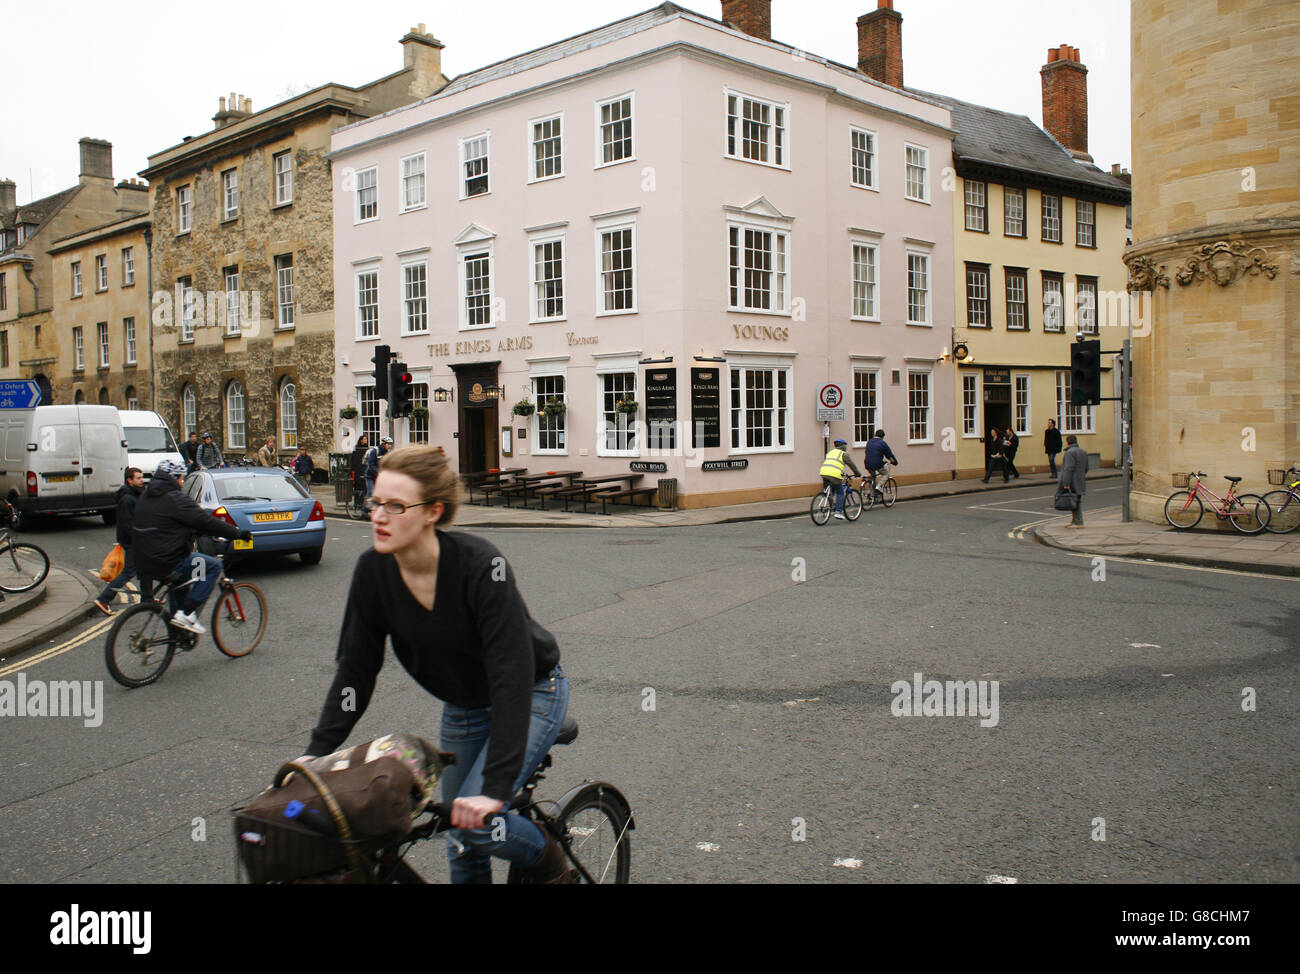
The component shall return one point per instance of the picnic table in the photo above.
(614, 487)
(489, 480)
(537, 482)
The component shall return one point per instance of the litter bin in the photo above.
(341, 476)
(668, 493)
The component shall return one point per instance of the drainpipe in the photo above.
(148, 249)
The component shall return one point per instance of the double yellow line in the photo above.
(80, 639)
(1020, 532)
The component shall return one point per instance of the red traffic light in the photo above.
(404, 377)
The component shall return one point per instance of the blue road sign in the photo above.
(19, 394)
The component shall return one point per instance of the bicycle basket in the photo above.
(1182, 479)
(1277, 477)
(271, 851)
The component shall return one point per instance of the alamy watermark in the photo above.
(951, 698)
(54, 698)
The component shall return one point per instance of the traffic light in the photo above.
(399, 391)
(1085, 373)
(383, 355)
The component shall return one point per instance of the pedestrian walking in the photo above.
(266, 455)
(190, 452)
(130, 491)
(303, 467)
(993, 459)
(1052, 445)
(1074, 475)
(1010, 444)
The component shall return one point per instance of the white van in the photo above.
(148, 440)
(62, 460)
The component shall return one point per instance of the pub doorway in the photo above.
(477, 416)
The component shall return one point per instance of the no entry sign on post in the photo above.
(830, 403)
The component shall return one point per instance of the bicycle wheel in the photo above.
(1249, 514)
(889, 492)
(852, 504)
(1183, 510)
(1283, 511)
(820, 510)
(598, 837)
(140, 645)
(22, 566)
(239, 619)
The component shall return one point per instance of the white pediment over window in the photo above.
(760, 208)
(474, 234)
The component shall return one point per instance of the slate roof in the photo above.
(38, 211)
(989, 137)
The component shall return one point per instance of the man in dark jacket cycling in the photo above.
(878, 452)
(166, 520)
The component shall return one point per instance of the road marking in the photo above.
(1019, 532)
(707, 846)
(994, 878)
(1144, 645)
(848, 863)
(78, 640)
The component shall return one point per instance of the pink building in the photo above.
(671, 233)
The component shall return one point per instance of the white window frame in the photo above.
(407, 173)
(1080, 224)
(358, 273)
(1064, 408)
(746, 364)
(1008, 273)
(929, 405)
(781, 280)
(128, 266)
(367, 397)
(128, 339)
(1027, 427)
(358, 212)
(614, 225)
(78, 349)
(76, 278)
(1008, 194)
(536, 299)
(1059, 217)
(972, 297)
(101, 272)
(280, 288)
(101, 334)
(188, 308)
(877, 409)
(871, 154)
(233, 324)
(236, 419)
(463, 254)
(980, 208)
(549, 370)
(1085, 304)
(924, 166)
(288, 416)
(229, 195)
(132, 402)
(929, 288)
(534, 144)
(630, 97)
(189, 411)
(417, 429)
(621, 365)
(771, 144)
(184, 212)
(1059, 310)
(873, 247)
(418, 303)
(464, 177)
(282, 198)
(971, 400)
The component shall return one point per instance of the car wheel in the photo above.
(312, 556)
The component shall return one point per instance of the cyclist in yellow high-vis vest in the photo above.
(832, 473)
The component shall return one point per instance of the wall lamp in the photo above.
(441, 395)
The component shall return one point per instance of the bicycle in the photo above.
(23, 566)
(591, 824)
(1283, 505)
(887, 489)
(142, 641)
(824, 503)
(354, 502)
(1248, 513)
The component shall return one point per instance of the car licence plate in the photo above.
(278, 516)
(60, 478)
(243, 545)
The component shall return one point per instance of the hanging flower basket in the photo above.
(555, 407)
(627, 406)
(420, 412)
(523, 408)
(348, 412)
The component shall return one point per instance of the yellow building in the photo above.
(99, 341)
(1040, 236)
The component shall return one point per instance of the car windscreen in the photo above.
(233, 489)
(149, 439)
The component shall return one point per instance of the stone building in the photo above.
(1216, 243)
(29, 286)
(243, 297)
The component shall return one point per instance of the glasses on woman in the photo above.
(391, 507)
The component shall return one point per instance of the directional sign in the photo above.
(19, 394)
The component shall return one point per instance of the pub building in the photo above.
(666, 247)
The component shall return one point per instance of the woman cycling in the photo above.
(459, 626)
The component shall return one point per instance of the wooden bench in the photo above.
(522, 489)
(631, 494)
(571, 493)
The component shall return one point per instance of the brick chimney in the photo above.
(8, 197)
(753, 17)
(422, 55)
(880, 44)
(96, 158)
(228, 113)
(1065, 100)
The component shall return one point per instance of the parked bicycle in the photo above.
(1283, 505)
(142, 642)
(884, 491)
(1248, 513)
(23, 566)
(591, 823)
(823, 504)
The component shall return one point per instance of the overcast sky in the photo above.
(144, 81)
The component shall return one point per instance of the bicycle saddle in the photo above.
(568, 731)
(1233, 480)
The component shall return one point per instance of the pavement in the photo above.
(64, 599)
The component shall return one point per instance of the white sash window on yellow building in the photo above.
(284, 301)
(101, 333)
(76, 278)
(1021, 401)
(230, 194)
(1071, 418)
(1017, 281)
(1053, 302)
(977, 210)
(101, 273)
(128, 334)
(78, 349)
(128, 266)
(977, 295)
(283, 166)
(233, 323)
(1013, 211)
(1085, 223)
(1051, 218)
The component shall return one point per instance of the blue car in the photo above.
(269, 502)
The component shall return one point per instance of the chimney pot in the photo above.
(1065, 99)
(880, 44)
(753, 17)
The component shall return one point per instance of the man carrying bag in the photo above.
(1073, 482)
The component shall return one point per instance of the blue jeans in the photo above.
(1051, 459)
(204, 578)
(465, 733)
(841, 489)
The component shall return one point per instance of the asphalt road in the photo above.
(772, 751)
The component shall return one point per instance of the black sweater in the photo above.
(479, 647)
